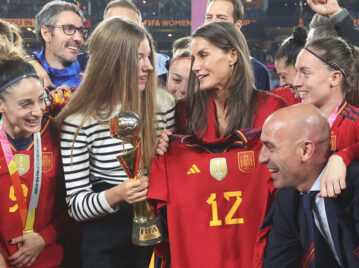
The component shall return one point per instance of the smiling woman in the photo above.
(222, 81)
(32, 207)
(216, 162)
(120, 77)
(22, 112)
(178, 75)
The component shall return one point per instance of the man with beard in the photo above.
(59, 27)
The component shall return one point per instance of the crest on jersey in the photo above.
(22, 163)
(218, 168)
(333, 142)
(47, 160)
(246, 162)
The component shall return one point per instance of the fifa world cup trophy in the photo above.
(147, 229)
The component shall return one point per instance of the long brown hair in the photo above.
(111, 79)
(241, 99)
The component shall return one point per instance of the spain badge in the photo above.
(246, 162)
(47, 159)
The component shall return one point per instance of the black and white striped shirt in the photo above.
(92, 159)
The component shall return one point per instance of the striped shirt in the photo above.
(91, 159)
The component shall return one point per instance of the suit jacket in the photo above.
(261, 75)
(286, 239)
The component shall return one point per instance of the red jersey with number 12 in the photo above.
(217, 196)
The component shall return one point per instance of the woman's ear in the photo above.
(336, 78)
(1, 106)
(233, 57)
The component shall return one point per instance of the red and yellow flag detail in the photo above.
(246, 162)
(47, 161)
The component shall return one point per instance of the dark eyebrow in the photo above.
(268, 144)
(24, 100)
(202, 50)
(305, 68)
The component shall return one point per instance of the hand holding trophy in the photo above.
(147, 229)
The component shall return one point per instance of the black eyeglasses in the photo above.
(71, 29)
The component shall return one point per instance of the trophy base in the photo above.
(147, 233)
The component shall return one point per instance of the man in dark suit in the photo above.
(307, 231)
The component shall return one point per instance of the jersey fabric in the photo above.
(51, 215)
(266, 104)
(345, 133)
(287, 94)
(70, 76)
(217, 196)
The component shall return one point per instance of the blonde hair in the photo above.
(111, 79)
(13, 35)
(12, 65)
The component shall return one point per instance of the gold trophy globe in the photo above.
(147, 228)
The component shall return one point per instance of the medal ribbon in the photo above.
(27, 216)
(36, 186)
(333, 115)
(14, 174)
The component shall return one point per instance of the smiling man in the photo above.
(307, 231)
(59, 27)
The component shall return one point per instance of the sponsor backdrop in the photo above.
(198, 13)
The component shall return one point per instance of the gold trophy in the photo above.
(147, 228)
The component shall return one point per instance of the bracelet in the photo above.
(31, 59)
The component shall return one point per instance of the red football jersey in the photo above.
(51, 215)
(345, 132)
(287, 94)
(217, 196)
(266, 104)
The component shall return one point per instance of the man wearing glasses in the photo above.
(59, 27)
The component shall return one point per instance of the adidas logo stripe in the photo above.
(193, 170)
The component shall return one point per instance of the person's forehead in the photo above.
(305, 59)
(123, 12)
(220, 6)
(69, 17)
(180, 65)
(276, 127)
(144, 46)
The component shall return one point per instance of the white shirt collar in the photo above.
(316, 185)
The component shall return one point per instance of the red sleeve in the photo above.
(158, 189)
(54, 230)
(287, 94)
(267, 103)
(351, 152)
